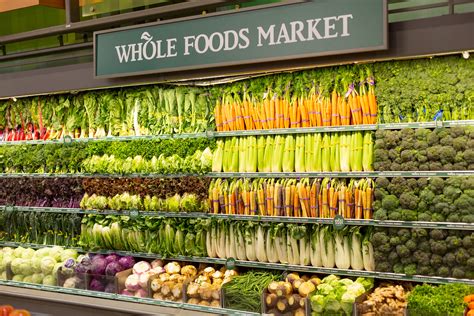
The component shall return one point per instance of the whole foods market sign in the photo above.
(294, 30)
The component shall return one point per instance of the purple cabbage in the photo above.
(110, 288)
(96, 285)
(113, 268)
(112, 258)
(98, 265)
(127, 262)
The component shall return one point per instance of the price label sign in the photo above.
(230, 264)
(133, 214)
(338, 222)
(67, 139)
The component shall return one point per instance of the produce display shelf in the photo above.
(135, 304)
(279, 131)
(369, 174)
(254, 218)
(275, 266)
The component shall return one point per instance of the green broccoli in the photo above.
(409, 200)
(459, 143)
(398, 268)
(395, 241)
(381, 155)
(458, 272)
(390, 203)
(420, 145)
(422, 133)
(469, 193)
(392, 138)
(377, 205)
(380, 134)
(383, 266)
(457, 131)
(404, 233)
(403, 251)
(437, 217)
(452, 193)
(434, 153)
(421, 156)
(409, 215)
(467, 183)
(438, 247)
(460, 166)
(446, 141)
(470, 263)
(411, 165)
(382, 166)
(393, 257)
(379, 256)
(379, 193)
(438, 234)
(421, 257)
(422, 270)
(382, 183)
(407, 260)
(395, 216)
(419, 232)
(468, 241)
(461, 256)
(459, 157)
(448, 166)
(469, 156)
(436, 261)
(379, 144)
(468, 218)
(427, 195)
(432, 139)
(423, 215)
(395, 166)
(453, 218)
(441, 132)
(386, 248)
(436, 185)
(407, 155)
(435, 166)
(443, 272)
(380, 214)
(422, 183)
(411, 244)
(410, 269)
(394, 153)
(379, 238)
(449, 259)
(453, 242)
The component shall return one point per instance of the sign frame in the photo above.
(384, 45)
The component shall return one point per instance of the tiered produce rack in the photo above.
(337, 222)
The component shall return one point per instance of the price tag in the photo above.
(67, 139)
(338, 222)
(133, 214)
(9, 208)
(230, 264)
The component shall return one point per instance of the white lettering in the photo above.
(136, 51)
(188, 43)
(243, 36)
(235, 40)
(172, 47)
(345, 28)
(145, 50)
(283, 35)
(330, 27)
(123, 53)
(312, 29)
(220, 39)
(297, 28)
(161, 53)
(206, 44)
(270, 34)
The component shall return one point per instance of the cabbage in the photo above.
(7, 258)
(27, 267)
(113, 268)
(43, 252)
(37, 278)
(356, 289)
(96, 285)
(347, 301)
(3, 275)
(317, 303)
(18, 251)
(110, 288)
(16, 265)
(98, 265)
(56, 252)
(127, 262)
(49, 280)
(7, 250)
(18, 278)
(36, 264)
(28, 279)
(47, 265)
(368, 283)
(67, 254)
(112, 258)
(325, 289)
(28, 253)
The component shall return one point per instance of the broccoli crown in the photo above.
(436, 261)
(395, 240)
(422, 133)
(464, 202)
(467, 183)
(409, 200)
(438, 234)
(411, 244)
(410, 269)
(452, 193)
(398, 268)
(434, 153)
(419, 232)
(395, 216)
(383, 266)
(437, 185)
(380, 214)
(449, 259)
(458, 272)
(403, 251)
(409, 215)
(443, 272)
(422, 183)
(470, 263)
(468, 218)
(421, 257)
(453, 242)
(382, 183)
(379, 193)
(379, 238)
(381, 154)
(457, 131)
(427, 195)
(462, 256)
(459, 143)
(438, 247)
(422, 214)
(390, 202)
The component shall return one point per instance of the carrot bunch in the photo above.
(290, 197)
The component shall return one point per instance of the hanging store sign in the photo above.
(280, 32)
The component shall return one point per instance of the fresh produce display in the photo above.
(63, 158)
(150, 110)
(316, 245)
(164, 236)
(336, 296)
(42, 228)
(290, 197)
(8, 310)
(349, 151)
(424, 149)
(30, 266)
(386, 299)
(162, 188)
(425, 89)
(439, 300)
(289, 297)
(205, 289)
(348, 99)
(137, 283)
(425, 199)
(199, 162)
(244, 291)
(45, 192)
(435, 252)
(125, 201)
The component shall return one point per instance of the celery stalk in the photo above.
(308, 152)
(368, 152)
(243, 153)
(261, 154)
(317, 161)
(326, 153)
(300, 154)
(234, 165)
(268, 153)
